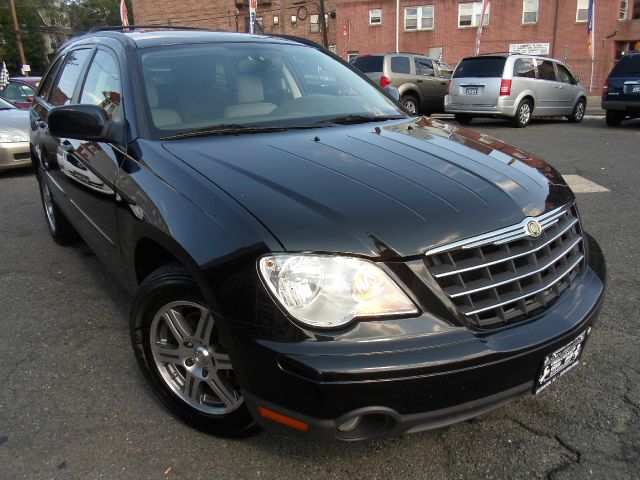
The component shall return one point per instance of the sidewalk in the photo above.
(593, 105)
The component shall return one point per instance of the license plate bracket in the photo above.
(560, 362)
(471, 91)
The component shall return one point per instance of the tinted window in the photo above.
(400, 65)
(626, 66)
(63, 91)
(546, 70)
(564, 75)
(424, 66)
(50, 78)
(524, 67)
(480, 67)
(17, 92)
(102, 86)
(369, 64)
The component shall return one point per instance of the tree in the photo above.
(31, 33)
(87, 14)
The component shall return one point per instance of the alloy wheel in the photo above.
(524, 114)
(47, 201)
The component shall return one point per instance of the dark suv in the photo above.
(305, 255)
(621, 95)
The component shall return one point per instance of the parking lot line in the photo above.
(581, 185)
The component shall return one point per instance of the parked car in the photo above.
(14, 137)
(20, 91)
(315, 262)
(621, 95)
(518, 87)
(421, 81)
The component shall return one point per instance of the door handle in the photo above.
(66, 146)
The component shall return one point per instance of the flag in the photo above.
(4, 76)
(591, 27)
(124, 14)
(485, 6)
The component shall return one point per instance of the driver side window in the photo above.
(102, 86)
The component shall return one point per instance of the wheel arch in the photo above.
(410, 88)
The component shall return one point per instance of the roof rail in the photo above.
(500, 53)
(116, 28)
(295, 38)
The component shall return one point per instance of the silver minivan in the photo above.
(514, 86)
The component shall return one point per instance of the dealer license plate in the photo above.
(560, 362)
(471, 91)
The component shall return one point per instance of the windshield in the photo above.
(480, 67)
(201, 86)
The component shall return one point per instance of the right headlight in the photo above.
(330, 291)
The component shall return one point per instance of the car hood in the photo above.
(382, 190)
(15, 119)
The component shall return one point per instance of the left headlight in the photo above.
(330, 291)
(7, 136)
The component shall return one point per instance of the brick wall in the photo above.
(556, 25)
(231, 15)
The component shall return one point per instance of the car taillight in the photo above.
(505, 87)
(605, 89)
(384, 81)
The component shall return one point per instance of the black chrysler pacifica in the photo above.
(306, 255)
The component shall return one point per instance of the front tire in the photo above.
(578, 111)
(523, 114)
(410, 102)
(175, 337)
(613, 119)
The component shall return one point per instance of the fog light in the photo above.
(350, 425)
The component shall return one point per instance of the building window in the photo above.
(260, 22)
(469, 14)
(352, 55)
(419, 18)
(375, 16)
(530, 11)
(582, 11)
(635, 13)
(624, 9)
(294, 21)
(314, 23)
(276, 21)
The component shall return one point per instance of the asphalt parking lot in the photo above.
(74, 405)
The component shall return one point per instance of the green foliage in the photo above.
(86, 14)
(30, 30)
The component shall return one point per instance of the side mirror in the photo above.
(84, 122)
(393, 92)
(576, 79)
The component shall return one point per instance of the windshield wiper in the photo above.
(234, 129)
(354, 119)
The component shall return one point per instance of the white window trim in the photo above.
(585, 7)
(474, 13)
(624, 16)
(419, 17)
(537, 10)
(375, 24)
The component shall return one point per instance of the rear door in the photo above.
(476, 81)
(624, 80)
(432, 88)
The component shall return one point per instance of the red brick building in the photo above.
(449, 27)
(290, 17)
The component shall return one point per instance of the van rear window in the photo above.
(369, 63)
(480, 67)
(626, 66)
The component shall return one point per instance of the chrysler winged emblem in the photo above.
(533, 228)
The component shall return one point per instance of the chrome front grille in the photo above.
(507, 276)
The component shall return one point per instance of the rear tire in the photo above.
(59, 227)
(463, 119)
(523, 114)
(175, 338)
(578, 111)
(410, 102)
(613, 119)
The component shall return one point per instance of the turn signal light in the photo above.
(283, 419)
(505, 87)
(384, 81)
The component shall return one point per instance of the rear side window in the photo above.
(626, 66)
(102, 86)
(369, 64)
(480, 67)
(63, 91)
(546, 70)
(400, 65)
(524, 68)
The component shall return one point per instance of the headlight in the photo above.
(13, 136)
(330, 291)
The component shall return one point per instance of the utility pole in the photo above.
(323, 24)
(17, 31)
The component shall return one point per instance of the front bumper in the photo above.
(14, 155)
(414, 382)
